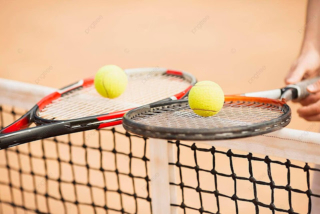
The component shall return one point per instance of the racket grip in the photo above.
(38, 133)
(302, 87)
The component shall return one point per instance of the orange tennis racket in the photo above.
(242, 115)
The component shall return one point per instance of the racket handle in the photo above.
(301, 88)
(38, 133)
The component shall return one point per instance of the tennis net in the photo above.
(112, 171)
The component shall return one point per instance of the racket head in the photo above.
(145, 86)
(82, 106)
(240, 117)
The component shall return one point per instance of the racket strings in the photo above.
(180, 116)
(142, 89)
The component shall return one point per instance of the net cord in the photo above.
(20, 94)
(286, 143)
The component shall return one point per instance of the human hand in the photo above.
(307, 65)
(310, 109)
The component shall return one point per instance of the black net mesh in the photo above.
(93, 172)
(214, 180)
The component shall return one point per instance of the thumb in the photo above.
(295, 74)
(315, 87)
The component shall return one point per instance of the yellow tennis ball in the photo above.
(206, 98)
(110, 81)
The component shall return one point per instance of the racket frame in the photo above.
(207, 134)
(18, 132)
(277, 97)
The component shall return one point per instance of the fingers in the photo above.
(296, 73)
(309, 111)
(306, 66)
(315, 87)
(312, 98)
(313, 118)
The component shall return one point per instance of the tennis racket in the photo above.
(79, 107)
(242, 115)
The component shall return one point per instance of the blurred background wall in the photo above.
(244, 46)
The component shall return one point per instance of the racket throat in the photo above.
(289, 93)
(100, 124)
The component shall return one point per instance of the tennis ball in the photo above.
(110, 81)
(206, 98)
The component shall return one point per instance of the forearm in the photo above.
(312, 26)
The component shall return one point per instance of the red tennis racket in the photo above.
(79, 107)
